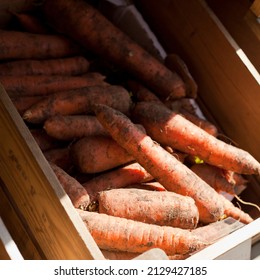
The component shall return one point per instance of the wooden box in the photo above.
(33, 205)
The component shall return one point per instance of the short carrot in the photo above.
(117, 178)
(25, 45)
(73, 127)
(115, 233)
(87, 26)
(48, 84)
(164, 167)
(23, 103)
(93, 154)
(160, 208)
(78, 101)
(73, 66)
(169, 128)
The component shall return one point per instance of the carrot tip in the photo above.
(27, 115)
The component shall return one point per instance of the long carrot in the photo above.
(48, 84)
(164, 167)
(93, 154)
(160, 208)
(76, 192)
(73, 127)
(78, 101)
(115, 233)
(92, 30)
(75, 65)
(169, 128)
(24, 45)
(117, 178)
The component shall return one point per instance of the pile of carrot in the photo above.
(141, 166)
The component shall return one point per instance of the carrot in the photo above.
(30, 23)
(164, 167)
(78, 101)
(93, 154)
(77, 194)
(75, 65)
(73, 127)
(213, 176)
(48, 84)
(160, 208)
(169, 128)
(116, 178)
(178, 106)
(43, 140)
(115, 233)
(60, 157)
(23, 103)
(175, 63)
(150, 186)
(24, 45)
(87, 26)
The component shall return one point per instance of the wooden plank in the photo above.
(255, 8)
(3, 253)
(226, 86)
(36, 192)
(16, 229)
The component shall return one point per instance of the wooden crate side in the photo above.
(226, 86)
(3, 253)
(16, 229)
(36, 192)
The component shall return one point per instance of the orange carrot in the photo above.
(23, 103)
(75, 65)
(92, 30)
(164, 167)
(169, 128)
(178, 106)
(175, 63)
(30, 23)
(78, 101)
(160, 208)
(78, 195)
(115, 233)
(60, 157)
(150, 186)
(44, 141)
(24, 45)
(94, 154)
(48, 84)
(73, 127)
(116, 178)
(213, 176)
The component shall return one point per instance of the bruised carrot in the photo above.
(30, 23)
(93, 154)
(87, 26)
(164, 167)
(78, 101)
(115, 233)
(43, 140)
(160, 208)
(73, 127)
(169, 128)
(175, 63)
(116, 178)
(23, 103)
(24, 45)
(213, 176)
(48, 84)
(73, 66)
(76, 192)
(60, 157)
